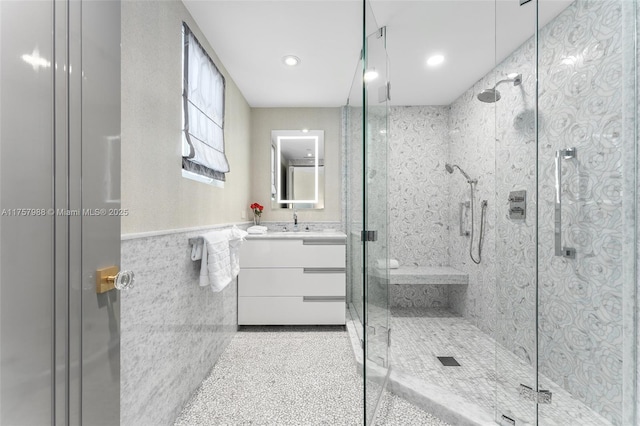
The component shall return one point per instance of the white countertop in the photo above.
(300, 235)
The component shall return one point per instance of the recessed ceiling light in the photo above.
(370, 75)
(305, 130)
(435, 60)
(291, 60)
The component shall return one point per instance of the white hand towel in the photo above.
(220, 259)
(236, 238)
(257, 229)
(216, 266)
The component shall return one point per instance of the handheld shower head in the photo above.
(450, 168)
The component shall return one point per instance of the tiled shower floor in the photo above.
(419, 336)
(291, 376)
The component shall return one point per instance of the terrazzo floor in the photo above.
(291, 376)
(419, 336)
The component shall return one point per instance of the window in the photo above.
(203, 87)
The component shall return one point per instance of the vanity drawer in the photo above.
(302, 253)
(290, 310)
(292, 282)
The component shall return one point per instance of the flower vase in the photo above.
(256, 219)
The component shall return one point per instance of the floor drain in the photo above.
(448, 361)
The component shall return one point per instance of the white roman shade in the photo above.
(203, 106)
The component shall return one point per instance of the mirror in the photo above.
(297, 169)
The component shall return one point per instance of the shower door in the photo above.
(586, 168)
(566, 280)
(375, 218)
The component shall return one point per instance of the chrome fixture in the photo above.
(560, 250)
(450, 168)
(493, 95)
(295, 220)
(518, 204)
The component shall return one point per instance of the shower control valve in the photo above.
(517, 204)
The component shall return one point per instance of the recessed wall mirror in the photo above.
(297, 169)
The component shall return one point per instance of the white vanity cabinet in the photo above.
(292, 278)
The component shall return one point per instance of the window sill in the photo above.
(203, 179)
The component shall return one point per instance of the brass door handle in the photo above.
(109, 278)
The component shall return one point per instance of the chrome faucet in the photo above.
(295, 220)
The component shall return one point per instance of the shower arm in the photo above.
(516, 81)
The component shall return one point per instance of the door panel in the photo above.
(100, 199)
(376, 293)
(59, 156)
(26, 238)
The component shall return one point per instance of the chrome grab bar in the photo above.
(568, 252)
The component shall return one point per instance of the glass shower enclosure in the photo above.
(366, 118)
(549, 317)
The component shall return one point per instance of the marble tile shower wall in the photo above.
(172, 330)
(418, 190)
(581, 106)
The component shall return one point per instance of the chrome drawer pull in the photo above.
(324, 270)
(324, 242)
(323, 298)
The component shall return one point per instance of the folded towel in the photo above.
(236, 238)
(393, 264)
(220, 260)
(257, 229)
(216, 267)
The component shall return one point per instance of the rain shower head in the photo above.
(492, 95)
(451, 167)
(489, 96)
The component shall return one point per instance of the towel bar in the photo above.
(196, 240)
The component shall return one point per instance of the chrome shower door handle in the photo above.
(560, 250)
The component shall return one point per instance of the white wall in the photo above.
(153, 189)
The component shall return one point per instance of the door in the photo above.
(375, 216)
(59, 194)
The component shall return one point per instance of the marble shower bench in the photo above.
(425, 286)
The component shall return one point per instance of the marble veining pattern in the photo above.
(421, 335)
(172, 330)
(427, 275)
(302, 225)
(418, 296)
(582, 93)
(418, 190)
(580, 100)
